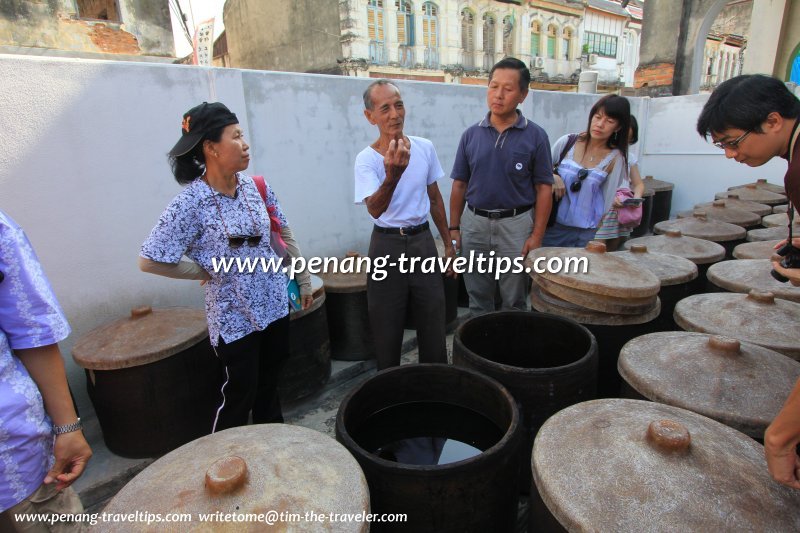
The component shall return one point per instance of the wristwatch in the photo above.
(69, 428)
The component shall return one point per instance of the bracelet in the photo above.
(454, 228)
(69, 428)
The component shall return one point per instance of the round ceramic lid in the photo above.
(351, 277)
(548, 303)
(777, 219)
(763, 184)
(734, 202)
(657, 185)
(700, 226)
(769, 234)
(751, 193)
(669, 269)
(673, 242)
(755, 250)
(739, 384)
(318, 292)
(577, 299)
(743, 275)
(756, 317)
(630, 465)
(720, 210)
(781, 208)
(605, 274)
(147, 336)
(252, 469)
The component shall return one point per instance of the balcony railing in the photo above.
(431, 58)
(377, 52)
(405, 56)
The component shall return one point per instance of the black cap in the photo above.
(198, 121)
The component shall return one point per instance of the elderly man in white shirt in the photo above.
(396, 178)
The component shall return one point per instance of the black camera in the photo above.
(790, 259)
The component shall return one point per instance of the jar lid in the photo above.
(701, 227)
(743, 275)
(721, 211)
(763, 184)
(604, 274)
(147, 336)
(673, 242)
(630, 465)
(739, 384)
(780, 220)
(547, 303)
(669, 269)
(756, 317)
(768, 234)
(733, 201)
(286, 468)
(657, 185)
(351, 277)
(755, 250)
(754, 194)
(579, 300)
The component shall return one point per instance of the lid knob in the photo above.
(700, 215)
(673, 233)
(761, 180)
(733, 196)
(226, 475)
(139, 312)
(719, 203)
(668, 436)
(648, 177)
(751, 186)
(597, 247)
(639, 248)
(762, 297)
(724, 344)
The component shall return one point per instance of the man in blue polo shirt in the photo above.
(502, 169)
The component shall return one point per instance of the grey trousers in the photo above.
(388, 299)
(504, 236)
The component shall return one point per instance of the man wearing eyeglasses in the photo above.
(754, 118)
(502, 169)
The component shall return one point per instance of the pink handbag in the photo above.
(275, 240)
(628, 215)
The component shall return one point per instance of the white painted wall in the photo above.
(83, 167)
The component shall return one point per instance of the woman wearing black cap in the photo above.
(220, 216)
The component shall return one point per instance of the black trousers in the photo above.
(388, 299)
(251, 368)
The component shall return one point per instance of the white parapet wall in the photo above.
(84, 169)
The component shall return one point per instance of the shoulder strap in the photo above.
(571, 140)
(261, 185)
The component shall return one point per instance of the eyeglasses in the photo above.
(237, 241)
(734, 143)
(576, 185)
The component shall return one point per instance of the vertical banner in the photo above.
(204, 43)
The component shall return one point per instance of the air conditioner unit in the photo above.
(592, 59)
(538, 62)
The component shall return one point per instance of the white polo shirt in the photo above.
(410, 204)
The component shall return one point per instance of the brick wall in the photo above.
(654, 75)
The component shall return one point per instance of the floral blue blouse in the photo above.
(30, 317)
(197, 224)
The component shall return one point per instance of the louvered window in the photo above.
(430, 25)
(536, 37)
(566, 44)
(488, 33)
(375, 20)
(508, 35)
(551, 42)
(467, 30)
(405, 23)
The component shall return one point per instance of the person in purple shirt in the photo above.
(42, 448)
(502, 169)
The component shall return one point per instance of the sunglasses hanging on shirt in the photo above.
(576, 185)
(237, 241)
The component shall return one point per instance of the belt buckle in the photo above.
(402, 232)
(494, 214)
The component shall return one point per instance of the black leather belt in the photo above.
(499, 213)
(408, 230)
